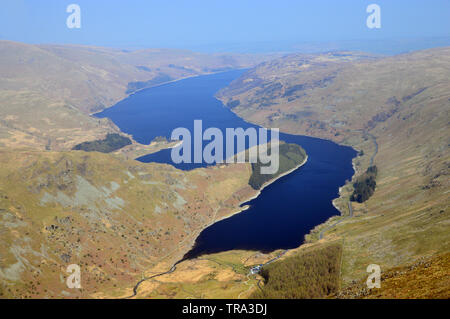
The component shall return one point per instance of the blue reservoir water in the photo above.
(285, 210)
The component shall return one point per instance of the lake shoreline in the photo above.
(127, 95)
(246, 207)
(248, 194)
(258, 192)
(274, 180)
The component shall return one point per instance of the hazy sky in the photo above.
(212, 23)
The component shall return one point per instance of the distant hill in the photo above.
(48, 91)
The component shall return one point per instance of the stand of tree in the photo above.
(111, 143)
(312, 274)
(291, 155)
(365, 185)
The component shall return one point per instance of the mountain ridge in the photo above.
(65, 84)
(402, 101)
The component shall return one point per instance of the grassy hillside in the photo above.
(425, 279)
(221, 275)
(393, 108)
(117, 219)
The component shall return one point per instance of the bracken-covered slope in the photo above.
(393, 109)
(116, 218)
(424, 279)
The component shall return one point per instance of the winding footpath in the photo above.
(136, 287)
(374, 140)
(350, 210)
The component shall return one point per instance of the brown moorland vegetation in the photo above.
(427, 278)
(113, 216)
